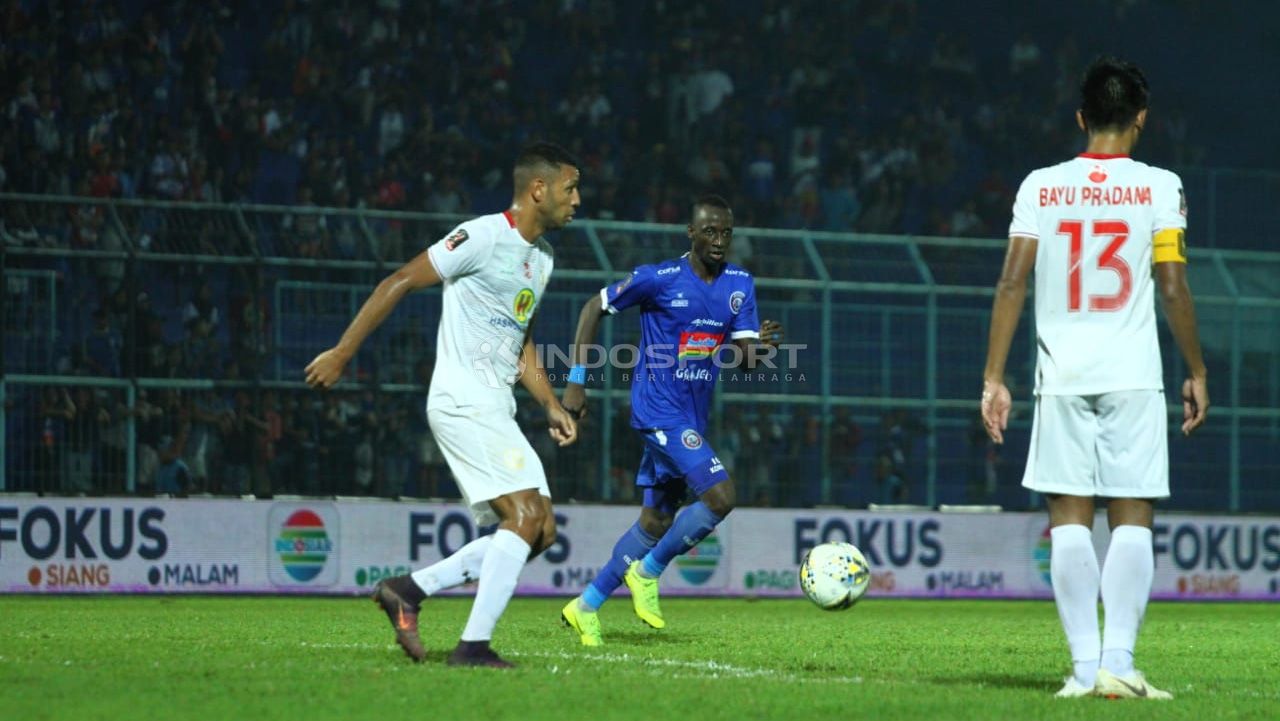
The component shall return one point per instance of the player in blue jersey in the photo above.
(689, 307)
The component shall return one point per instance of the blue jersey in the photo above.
(683, 321)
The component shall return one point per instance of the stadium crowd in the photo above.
(839, 116)
(836, 116)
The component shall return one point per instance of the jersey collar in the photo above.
(1102, 156)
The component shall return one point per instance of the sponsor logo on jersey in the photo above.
(699, 344)
(680, 301)
(706, 321)
(456, 239)
(523, 305)
(691, 439)
(666, 271)
(1098, 174)
(736, 298)
(731, 271)
(694, 374)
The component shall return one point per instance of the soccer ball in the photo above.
(834, 575)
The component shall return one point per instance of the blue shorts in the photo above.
(676, 461)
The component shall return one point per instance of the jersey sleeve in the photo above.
(746, 323)
(635, 289)
(1024, 221)
(463, 251)
(1169, 239)
(1171, 204)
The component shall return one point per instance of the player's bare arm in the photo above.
(753, 350)
(1011, 293)
(560, 422)
(419, 273)
(575, 394)
(1180, 312)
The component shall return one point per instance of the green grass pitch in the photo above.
(308, 658)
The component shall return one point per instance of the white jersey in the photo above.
(1101, 221)
(493, 282)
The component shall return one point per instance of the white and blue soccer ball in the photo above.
(834, 575)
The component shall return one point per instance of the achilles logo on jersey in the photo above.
(455, 240)
(735, 301)
(523, 305)
(1098, 174)
(691, 439)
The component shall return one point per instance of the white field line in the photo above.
(707, 668)
(717, 669)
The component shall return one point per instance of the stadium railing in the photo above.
(878, 407)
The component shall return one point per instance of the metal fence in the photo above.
(157, 348)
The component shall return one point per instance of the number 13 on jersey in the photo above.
(1109, 260)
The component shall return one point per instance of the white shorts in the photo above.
(488, 454)
(1113, 445)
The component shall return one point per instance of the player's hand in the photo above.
(771, 333)
(996, 403)
(326, 369)
(1195, 404)
(575, 400)
(563, 429)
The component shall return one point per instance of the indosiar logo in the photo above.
(699, 564)
(304, 545)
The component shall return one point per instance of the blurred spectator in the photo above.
(103, 346)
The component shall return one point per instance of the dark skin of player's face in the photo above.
(711, 233)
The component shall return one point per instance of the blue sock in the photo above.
(633, 544)
(695, 524)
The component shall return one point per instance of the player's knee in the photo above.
(721, 507)
(721, 499)
(528, 520)
(547, 538)
(656, 526)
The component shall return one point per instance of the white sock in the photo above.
(462, 567)
(1073, 566)
(503, 562)
(1126, 586)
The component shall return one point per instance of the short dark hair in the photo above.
(1112, 93)
(540, 156)
(710, 200)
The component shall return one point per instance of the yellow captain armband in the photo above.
(1170, 246)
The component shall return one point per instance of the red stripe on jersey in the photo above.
(511, 219)
(1102, 156)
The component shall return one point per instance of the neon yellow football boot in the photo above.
(586, 623)
(644, 595)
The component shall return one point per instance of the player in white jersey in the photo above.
(495, 269)
(1103, 232)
